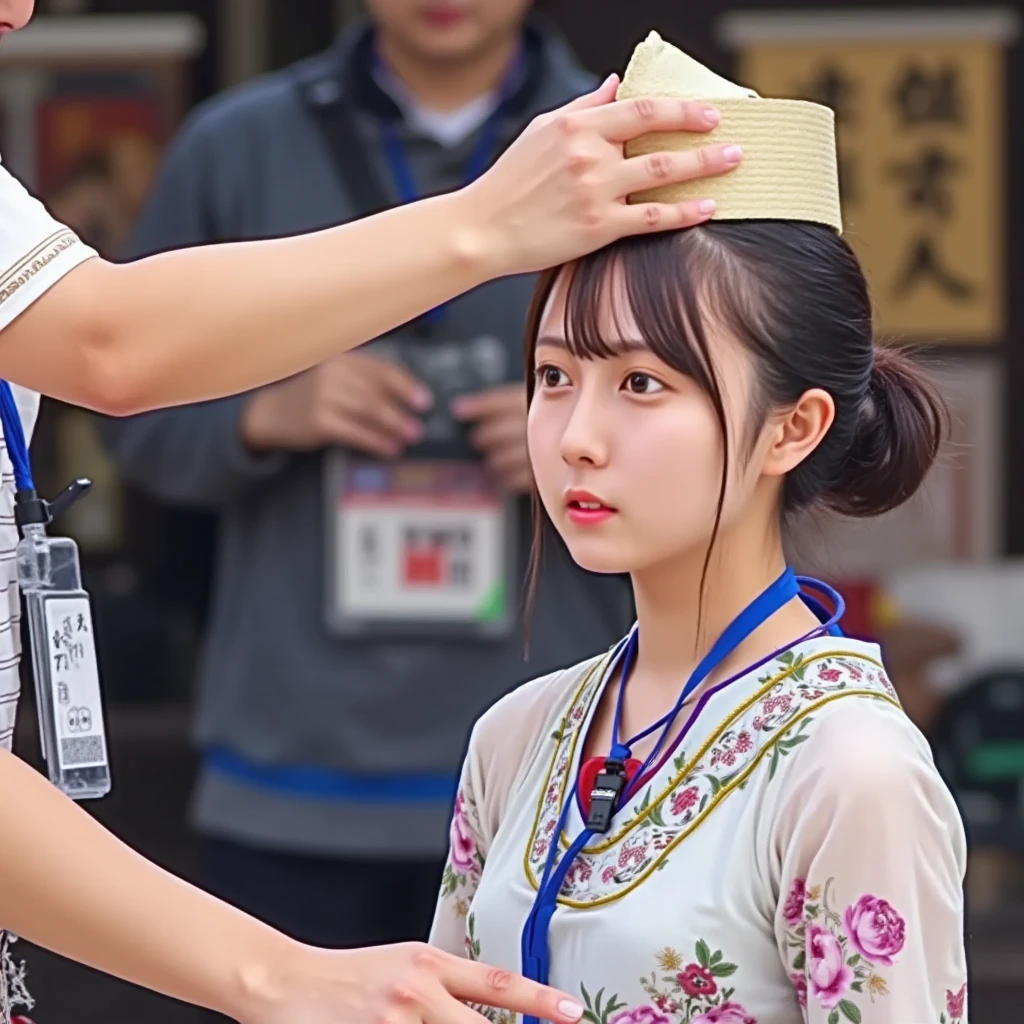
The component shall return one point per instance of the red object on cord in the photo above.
(593, 767)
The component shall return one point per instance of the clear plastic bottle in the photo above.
(71, 721)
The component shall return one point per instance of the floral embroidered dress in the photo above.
(797, 859)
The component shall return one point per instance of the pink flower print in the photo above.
(875, 930)
(757, 724)
(729, 758)
(552, 794)
(550, 826)
(463, 847)
(540, 848)
(608, 876)
(827, 973)
(855, 673)
(632, 853)
(769, 704)
(665, 1004)
(955, 1002)
(725, 1013)
(684, 800)
(716, 756)
(743, 743)
(579, 872)
(800, 984)
(785, 702)
(830, 675)
(793, 911)
(695, 980)
(639, 1015)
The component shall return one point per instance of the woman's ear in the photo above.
(794, 434)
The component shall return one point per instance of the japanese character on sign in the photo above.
(923, 97)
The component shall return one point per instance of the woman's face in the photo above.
(14, 14)
(627, 452)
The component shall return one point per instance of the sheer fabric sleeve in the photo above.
(870, 855)
(502, 744)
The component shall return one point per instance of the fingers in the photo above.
(499, 432)
(398, 382)
(666, 168)
(647, 218)
(365, 437)
(489, 986)
(506, 400)
(604, 93)
(627, 119)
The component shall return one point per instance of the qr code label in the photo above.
(82, 751)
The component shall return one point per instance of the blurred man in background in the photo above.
(374, 527)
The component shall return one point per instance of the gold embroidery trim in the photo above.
(713, 737)
(601, 665)
(687, 768)
(714, 802)
(58, 242)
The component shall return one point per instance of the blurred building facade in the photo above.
(927, 99)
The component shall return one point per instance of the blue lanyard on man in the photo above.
(480, 157)
(60, 627)
(615, 786)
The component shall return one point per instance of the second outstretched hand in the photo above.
(560, 190)
(401, 984)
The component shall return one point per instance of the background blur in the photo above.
(930, 105)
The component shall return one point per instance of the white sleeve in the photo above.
(870, 853)
(36, 251)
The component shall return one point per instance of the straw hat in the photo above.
(788, 171)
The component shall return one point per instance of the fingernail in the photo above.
(459, 407)
(732, 154)
(711, 115)
(707, 206)
(423, 399)
(567, 1008)
(413, 431)
(608, 81)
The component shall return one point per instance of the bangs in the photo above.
(645, 280)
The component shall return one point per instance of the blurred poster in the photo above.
(97, 155)
(919, 98)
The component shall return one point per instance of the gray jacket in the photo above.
(312, 742)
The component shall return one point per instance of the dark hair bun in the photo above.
(899, 431)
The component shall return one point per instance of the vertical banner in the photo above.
(919, 98)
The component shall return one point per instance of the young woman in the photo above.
(728, 819)
(201, 323)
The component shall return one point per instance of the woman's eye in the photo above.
(643, 384)
(552, 377)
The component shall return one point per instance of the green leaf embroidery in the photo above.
(723, 970)
(774, 763)
(703, 803)
(714, 783)
(811, 909)
(586, 996)
(942, 1018)
(703, 953)
(727, 994)
(857, 986)
(833, 1017)
(786, 657)
(854, 960)
(850, 1011)
(590, 1018)
(800, 960)
(716, 957)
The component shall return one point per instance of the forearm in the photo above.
(201, 323)
(71, 887)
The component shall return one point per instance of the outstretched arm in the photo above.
(201, 323)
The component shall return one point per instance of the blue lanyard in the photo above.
(536, 958)
(480, 157)
(14, 436)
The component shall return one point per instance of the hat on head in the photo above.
(789, 169)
